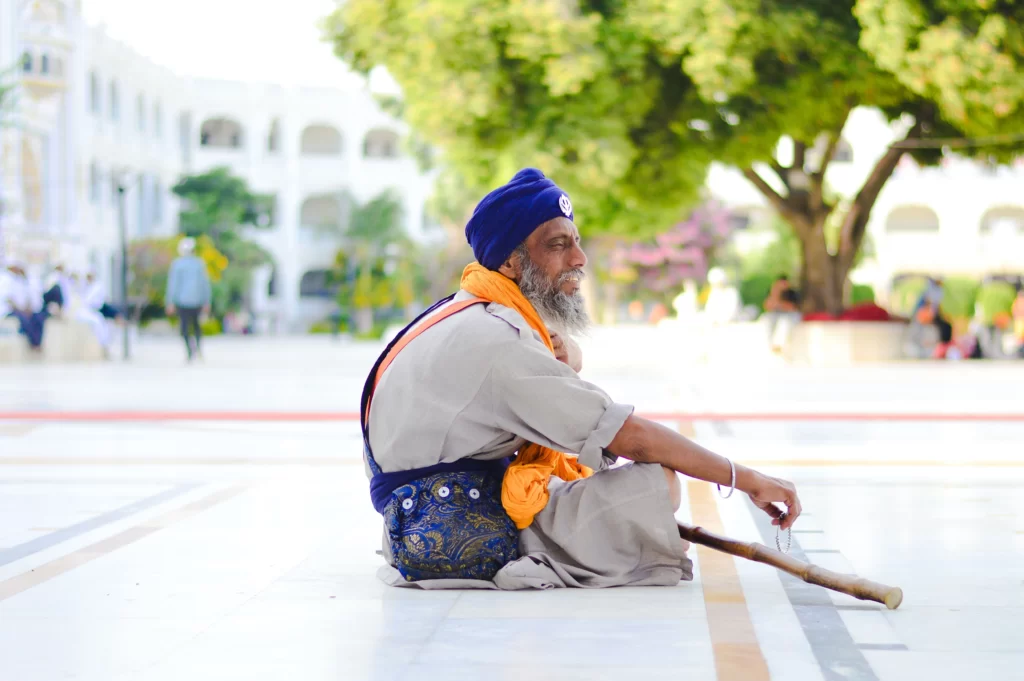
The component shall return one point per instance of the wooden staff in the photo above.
(852, 585)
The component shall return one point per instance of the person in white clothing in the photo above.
(723, 304)
(93, 299)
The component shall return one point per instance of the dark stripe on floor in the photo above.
(19, 551)
(839, 657)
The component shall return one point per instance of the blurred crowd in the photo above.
(930, 332)
(32, 301)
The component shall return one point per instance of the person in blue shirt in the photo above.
(188, 294)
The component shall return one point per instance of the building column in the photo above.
(290, 201)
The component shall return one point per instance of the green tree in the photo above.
(374, 267)
(220, 206)
(627, 103)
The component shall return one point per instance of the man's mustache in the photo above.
(577, 274)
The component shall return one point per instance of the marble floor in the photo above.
(219, 549)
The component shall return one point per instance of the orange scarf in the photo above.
(524, 490)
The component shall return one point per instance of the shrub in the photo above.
(210, 327)
(754, 289)
(906, 294)
(322, 326)
(958, 298)
(860, 294)
(995, 298)
(374, 334)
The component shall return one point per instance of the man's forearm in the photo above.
(645, 441)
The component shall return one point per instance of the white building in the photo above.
(958, 219)
(99, 112)
(90, 110)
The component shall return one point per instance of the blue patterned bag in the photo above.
(445, 521)
(450, 526)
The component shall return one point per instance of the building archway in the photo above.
(380, 143)
(912, 220)
(221, 133)
(998, 218)
(322, 211)
(317, 284)
(320, 140)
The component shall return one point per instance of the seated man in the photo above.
(18, 300)
(91, 311)
(497, 376)
(58, 290)
(783, 315)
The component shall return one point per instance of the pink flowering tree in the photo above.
(686, 250)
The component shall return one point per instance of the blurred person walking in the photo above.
(928, 312)
(188, 294)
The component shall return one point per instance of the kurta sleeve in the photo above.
(534, 396)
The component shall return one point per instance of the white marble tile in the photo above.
(558, 672)
(568, 641)
(669, 603)
(871, 627)
(945, 666)
(278, 582)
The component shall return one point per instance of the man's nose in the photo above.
(577, 258)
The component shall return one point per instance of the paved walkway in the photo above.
(245, 549)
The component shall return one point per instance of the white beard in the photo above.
(562, 312)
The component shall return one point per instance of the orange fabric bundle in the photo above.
(524, 489)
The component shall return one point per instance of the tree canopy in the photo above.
(218, 205)
(627, 103)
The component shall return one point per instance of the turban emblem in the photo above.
(565, 205)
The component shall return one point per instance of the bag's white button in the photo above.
(407, 504)
(474, 494)
(443, 492)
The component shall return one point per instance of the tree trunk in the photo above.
(822, 277)
(803, 205)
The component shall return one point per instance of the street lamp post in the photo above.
(122, 227)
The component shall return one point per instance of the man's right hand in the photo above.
(765, 491)
(171, 310)
(648, 442)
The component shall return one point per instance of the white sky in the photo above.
(274, 41)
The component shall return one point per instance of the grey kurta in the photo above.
(481, 384)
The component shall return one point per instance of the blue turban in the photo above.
(510, 213)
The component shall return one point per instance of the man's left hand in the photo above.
(567, 351)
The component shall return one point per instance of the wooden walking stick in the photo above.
(852, 585)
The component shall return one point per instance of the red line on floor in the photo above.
(344, 416)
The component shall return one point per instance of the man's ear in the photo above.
(511, 267)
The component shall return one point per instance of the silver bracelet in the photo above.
(732, 483)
